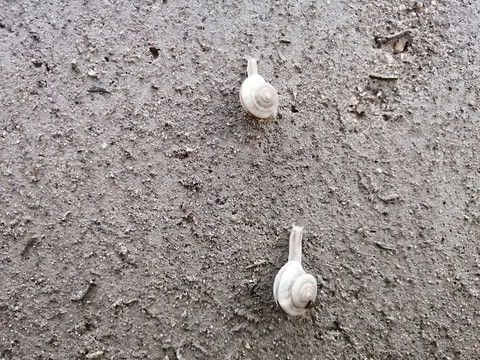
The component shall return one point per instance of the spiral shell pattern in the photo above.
(294, 290)
(259, 98)
(304, 291)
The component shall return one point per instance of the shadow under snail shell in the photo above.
(294, 290)
(258, 98)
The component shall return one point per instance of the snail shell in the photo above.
(258, 98)
(294, 290)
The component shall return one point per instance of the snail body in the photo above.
(294, 290)
(258, 98)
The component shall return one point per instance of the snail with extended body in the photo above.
(294, 290)
(258, 98)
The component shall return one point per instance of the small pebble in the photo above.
(295, 91)
(399, 46)
(94, 355)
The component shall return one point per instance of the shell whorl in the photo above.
(294, 290)
(304, 291)
(266, 97)
(258, 97)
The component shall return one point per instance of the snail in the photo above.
(294, 290)
(258, 98)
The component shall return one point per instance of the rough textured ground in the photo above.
(129, 220)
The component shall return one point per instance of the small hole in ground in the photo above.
(154, 52)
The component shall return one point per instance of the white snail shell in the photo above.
(294, 290)
(258, 98)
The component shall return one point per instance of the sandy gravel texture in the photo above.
(149, 221)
